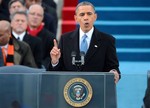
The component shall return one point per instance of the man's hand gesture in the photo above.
(55, 53)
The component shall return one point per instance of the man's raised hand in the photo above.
(55, 53)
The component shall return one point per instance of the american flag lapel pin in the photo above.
(95, 46)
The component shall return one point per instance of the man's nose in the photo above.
(85, 17)
(20, 22)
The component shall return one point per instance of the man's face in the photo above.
(4, 37)
(19, 23)
(85, 16)
(16, 6)
(35, 16)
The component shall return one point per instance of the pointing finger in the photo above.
(55, 43)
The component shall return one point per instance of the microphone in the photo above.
(82, 55)
(73, 55)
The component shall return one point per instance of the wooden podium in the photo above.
(57, 90)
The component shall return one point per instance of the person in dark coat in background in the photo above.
(14, 52)
(50, 3)
(50, 17)
(36, 29)
(19, 24)
(1, 58)
(4, 12)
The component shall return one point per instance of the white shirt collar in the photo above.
(21, 36)
(89, 35)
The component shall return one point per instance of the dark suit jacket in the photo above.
(50, 18)
(4, 12)
(50, 23)
(23, 54)
(100, 57)
(47, 44)
(35, 44)
(51, 3)
(3, 15)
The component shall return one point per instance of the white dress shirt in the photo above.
(21, 36)
(89, 36)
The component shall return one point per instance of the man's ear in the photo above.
(95, 16)
(75, 18)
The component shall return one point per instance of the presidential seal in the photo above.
(78, 92)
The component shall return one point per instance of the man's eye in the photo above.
(82, 14)
(13, 7)
(89, 13)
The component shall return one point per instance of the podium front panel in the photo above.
(102, 84)
(19, 90)
(47, 89)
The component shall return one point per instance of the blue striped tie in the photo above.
(84, 44)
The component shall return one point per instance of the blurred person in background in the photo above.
(4, 13)
(19, 25)
(16, 5)
(8, 7)
(14, 51)
(1, 58)
(50, 16)
(36, 29)
(50, 3)
(1, 54)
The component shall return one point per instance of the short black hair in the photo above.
(85, 3)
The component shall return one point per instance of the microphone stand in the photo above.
(78, 63)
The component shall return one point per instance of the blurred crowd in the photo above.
(27, 31)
